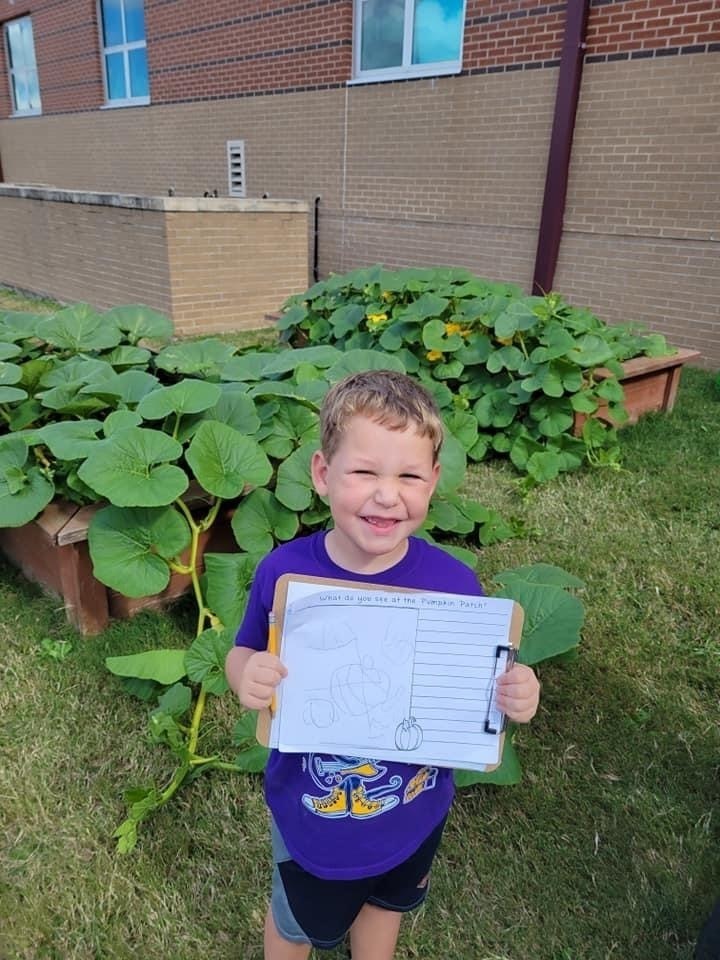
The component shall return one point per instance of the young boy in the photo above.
(354, 838)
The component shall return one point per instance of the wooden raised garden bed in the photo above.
(53, 551)
(650, 385)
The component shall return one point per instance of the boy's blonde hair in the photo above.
(385, 396)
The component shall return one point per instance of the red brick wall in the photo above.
(67, 53)
(223, 49)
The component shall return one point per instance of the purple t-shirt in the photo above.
(342, 817)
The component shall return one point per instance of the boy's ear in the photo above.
(435, 476)
(318, 472)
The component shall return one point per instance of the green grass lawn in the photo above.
(608, 849)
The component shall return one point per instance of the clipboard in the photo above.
(505, 652)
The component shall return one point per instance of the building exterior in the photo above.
(419, 130)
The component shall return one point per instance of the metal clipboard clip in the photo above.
(496, 720)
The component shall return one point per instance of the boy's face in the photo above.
(378, 484)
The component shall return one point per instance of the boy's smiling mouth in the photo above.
(383, 523)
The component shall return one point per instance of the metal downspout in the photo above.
(556, 180)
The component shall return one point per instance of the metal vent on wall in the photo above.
(236, 167)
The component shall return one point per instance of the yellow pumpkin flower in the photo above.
(375, 319)
(451, 328)
(434, 355)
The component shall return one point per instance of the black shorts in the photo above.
(308, 909)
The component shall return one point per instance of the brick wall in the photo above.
(212, 265)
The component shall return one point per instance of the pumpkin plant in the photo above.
(172, 438)
(510, 371)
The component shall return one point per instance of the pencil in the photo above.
(272, 648)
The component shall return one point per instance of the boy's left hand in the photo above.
(518, 693)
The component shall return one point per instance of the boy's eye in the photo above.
(367, 473)
(411, 476)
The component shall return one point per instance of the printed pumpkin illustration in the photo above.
(408, 734)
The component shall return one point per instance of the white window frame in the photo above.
(27, 71)
(124, 49)
(408, 69)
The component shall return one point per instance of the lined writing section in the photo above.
(453, 674)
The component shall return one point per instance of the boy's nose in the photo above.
(386, 493)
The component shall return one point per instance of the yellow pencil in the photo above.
(272, 647)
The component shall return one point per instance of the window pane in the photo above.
(20, 93)
(382, 34)
(437, 30)
(112, 22)
(138, 73)
(134, 20)
(14, 43)
(33, 91)
(28, 46)
(115, 70)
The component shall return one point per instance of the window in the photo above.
(395, 39)
(20, 49)
(125, 52)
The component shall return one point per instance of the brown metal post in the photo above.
(566, 99)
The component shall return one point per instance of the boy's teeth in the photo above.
(380, 521)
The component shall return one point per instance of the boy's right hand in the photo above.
(263, 672)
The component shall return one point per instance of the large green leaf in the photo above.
(260, 519)
(141, 322)
(24, 491)
(131, 386)
(129, 547)
(79, 328)
(453, 462)
(545, 573)
(12, 394)
(346, 319)
(132, 470)
(164, 666)
(247, 368)
(294, 487)
(128, 356)
(495, 409)
(229, 576)
(10, 373)
(309, 395)
(426, 306)
(187, 396)
(70, 439)
(355, 361)
(286, 360)
(292, 425)
(80, 369)
(205, 358)
(234, 408)
(553, 618)
(225, 462)
(205, 659)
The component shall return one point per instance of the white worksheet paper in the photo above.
(394, 676)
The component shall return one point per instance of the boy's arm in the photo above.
(253, 675)
(518, 693)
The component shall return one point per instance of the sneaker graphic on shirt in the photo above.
(362, 806)
(334, 804)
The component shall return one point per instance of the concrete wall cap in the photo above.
(166, 204)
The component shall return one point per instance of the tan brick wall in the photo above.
(228, 271)
(212, 265)
(75, 252)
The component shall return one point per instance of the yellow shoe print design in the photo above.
(334, 804)
(362, 807)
